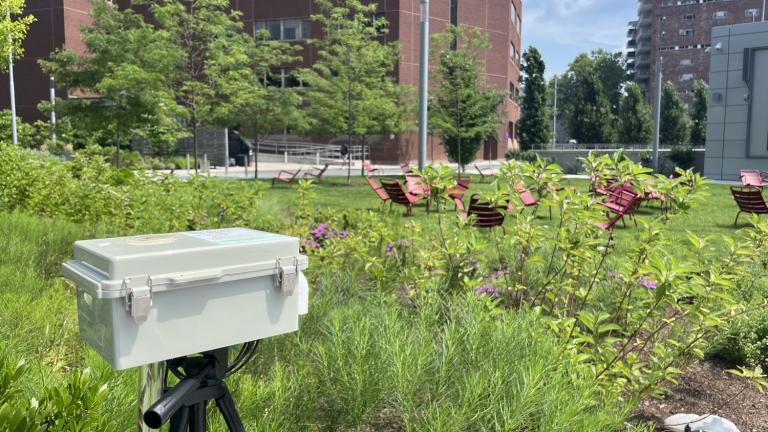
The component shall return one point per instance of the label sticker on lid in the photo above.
(233, 236)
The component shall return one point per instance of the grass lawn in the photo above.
(713, 216)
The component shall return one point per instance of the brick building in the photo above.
(57, 26)
(680, 32)
(58, 22)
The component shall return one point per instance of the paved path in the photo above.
(268, 170)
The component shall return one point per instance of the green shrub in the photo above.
(682, 156)
(520, 155)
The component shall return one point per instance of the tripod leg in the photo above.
(180, 420)
(228, 410)
(197, 417)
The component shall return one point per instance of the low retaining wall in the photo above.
(568, 159)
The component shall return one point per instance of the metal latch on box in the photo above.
(138, 297)
(287, 275)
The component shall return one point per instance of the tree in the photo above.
(351, 86)
(243, 76)
(124, 77)
(585, 104)
(611, 71)
(198, 34)
(534, 126)
(464, 112)
(635, 123)
(12, 32)
(699, 114)
(674, 128)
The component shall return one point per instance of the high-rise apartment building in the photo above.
(680, 31)
(289, 20)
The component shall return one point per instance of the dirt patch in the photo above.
(703, 389)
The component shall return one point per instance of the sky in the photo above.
(563, 29)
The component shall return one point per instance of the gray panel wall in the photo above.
(737, 126)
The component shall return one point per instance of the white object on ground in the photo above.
(701, 423)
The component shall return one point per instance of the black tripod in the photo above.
(201, 380)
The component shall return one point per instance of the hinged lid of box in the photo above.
(114, 267)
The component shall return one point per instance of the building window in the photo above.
(662, 34)
(752, 13)
(720, 15)
(662, 19)
(287, 29)
(686, 32)
(512, 51)
(686, 77)
(514, 14)
(686, 62)
(689, 17)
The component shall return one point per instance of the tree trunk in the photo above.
(256, 158)
(362, 156)
(117, 146)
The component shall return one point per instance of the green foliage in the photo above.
(699, 113)
(464, 113)
(586, 104)
(534, 127)
(352, 87)
(675, 127)
(635, 123)
(13, 31)
(127, 67)
(527, 156)
(25, 131)
(589, 95)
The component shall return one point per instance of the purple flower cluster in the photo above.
(500, 273)
(651, 285)
(320, 233)
(488, 290)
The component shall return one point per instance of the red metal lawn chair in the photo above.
(482, 213)
(526, 197)
(750, 200)
(622, 200)
(316, 172)
(753, 178)
(484, 172)
(398, 195)
(285, 176)
(370, 169)
(459, 189)
(380, 192)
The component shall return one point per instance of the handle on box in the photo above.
(78, 273)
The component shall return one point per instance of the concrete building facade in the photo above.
(737, 126)
(680, 31)
(59, 21)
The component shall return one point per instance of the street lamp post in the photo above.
(423, 83)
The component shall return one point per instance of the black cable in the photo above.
(250, 355)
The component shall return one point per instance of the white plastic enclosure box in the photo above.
(150, 298)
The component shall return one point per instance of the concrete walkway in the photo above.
(269, 170)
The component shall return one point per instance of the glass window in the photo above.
(720, 15)
(751, 13)
(272, 27)
(686, 62)
(292, 29)
(275, 78)
(689, 17)
(686, 32)
(686, 77)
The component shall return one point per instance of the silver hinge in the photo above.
(138, 297)
(287, 274)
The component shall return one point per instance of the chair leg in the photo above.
(737, 218)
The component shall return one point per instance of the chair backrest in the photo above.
(459, 204)
(395, 191)
(325, 167)
(463, 183)
(749, 199)
(525, 195)
(405, 167)
(751, 178)
(376, 188)
(368, 167)
(624, 196)
(486, 215)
